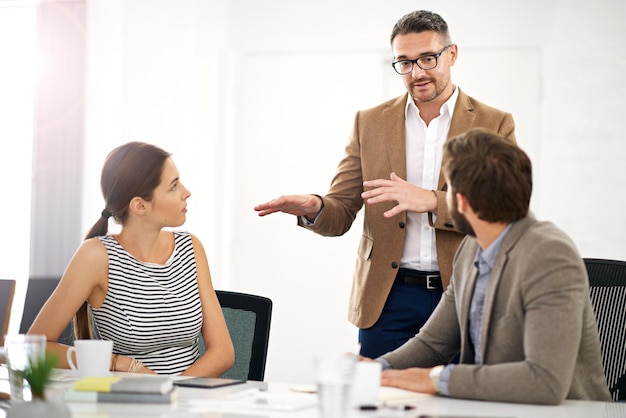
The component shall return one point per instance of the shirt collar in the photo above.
(488, 256)
(448, 105)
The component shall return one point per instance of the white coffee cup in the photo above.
(93, 357)
(366, 383)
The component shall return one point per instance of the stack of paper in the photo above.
(136, 389)
(252, 399)
(388, 394)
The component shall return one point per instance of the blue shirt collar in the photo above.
(488, 256)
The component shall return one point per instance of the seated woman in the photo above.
(147, 289)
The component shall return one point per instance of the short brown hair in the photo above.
(494, 174)
(421, 21)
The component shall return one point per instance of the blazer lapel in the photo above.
(463, 116)
(517, 230)
(396, 135)
(462, 119)
(466, 291)
(494, 280)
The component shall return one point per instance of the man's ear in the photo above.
(137, 205)
(453, 53)
(462, 204)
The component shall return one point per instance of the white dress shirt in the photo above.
(424, 149)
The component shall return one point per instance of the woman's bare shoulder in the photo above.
(92, 251)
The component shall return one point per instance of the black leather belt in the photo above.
(428, 279)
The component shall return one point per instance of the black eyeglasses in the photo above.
(425, 62)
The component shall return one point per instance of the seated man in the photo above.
(517, 308)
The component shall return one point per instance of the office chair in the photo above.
(37, 293)
(248, 319)
(7, 290)
(607, 281)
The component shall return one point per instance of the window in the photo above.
(17, 84)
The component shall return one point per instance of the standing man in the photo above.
(517, 308)
(404, 259)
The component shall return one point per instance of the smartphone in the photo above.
(208, 382)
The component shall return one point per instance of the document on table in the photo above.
(63, 375)
(253, 399)
(385, 393)
(390, 394)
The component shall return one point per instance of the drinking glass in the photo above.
(334, 376)
(20, 351)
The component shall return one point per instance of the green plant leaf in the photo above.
(38, 374)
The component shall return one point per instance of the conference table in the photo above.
(282, 400)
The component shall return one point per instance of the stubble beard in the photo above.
(436, 93)
(460, 222)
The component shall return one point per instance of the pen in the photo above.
(400, 407)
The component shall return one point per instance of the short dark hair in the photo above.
(494, 174)
(421, 21)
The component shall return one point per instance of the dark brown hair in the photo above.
(421, 21)
(494, 174)
(130, 170)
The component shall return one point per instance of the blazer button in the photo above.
(401, 224)
(394, 265)
(449, 225)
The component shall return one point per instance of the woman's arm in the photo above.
(220, 354)
(85, 278)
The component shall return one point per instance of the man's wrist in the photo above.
(434, 210)
(434, 376)
(316, 214)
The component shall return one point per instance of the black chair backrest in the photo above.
(248, 318)
(7, 290)
(607, 281)
(37, 293)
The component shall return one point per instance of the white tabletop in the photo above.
(280, 400)
(199, 403)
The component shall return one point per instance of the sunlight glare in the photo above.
(17, 82)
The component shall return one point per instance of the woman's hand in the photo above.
(129, 365)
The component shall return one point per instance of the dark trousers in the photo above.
(405, 312)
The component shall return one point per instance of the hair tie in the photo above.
(105, 214)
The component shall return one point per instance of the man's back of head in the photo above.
(491, 172)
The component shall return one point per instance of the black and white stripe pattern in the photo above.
(152, 311)
(607, 280)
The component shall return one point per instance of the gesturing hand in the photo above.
(300, 205)
(409, 196)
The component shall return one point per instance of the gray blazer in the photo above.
(539, 335)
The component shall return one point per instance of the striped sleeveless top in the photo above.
(152, 312)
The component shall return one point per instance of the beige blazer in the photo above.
(539, 338)
(375, 149)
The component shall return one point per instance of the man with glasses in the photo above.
(405, 258)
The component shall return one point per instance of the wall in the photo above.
(256, 99)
